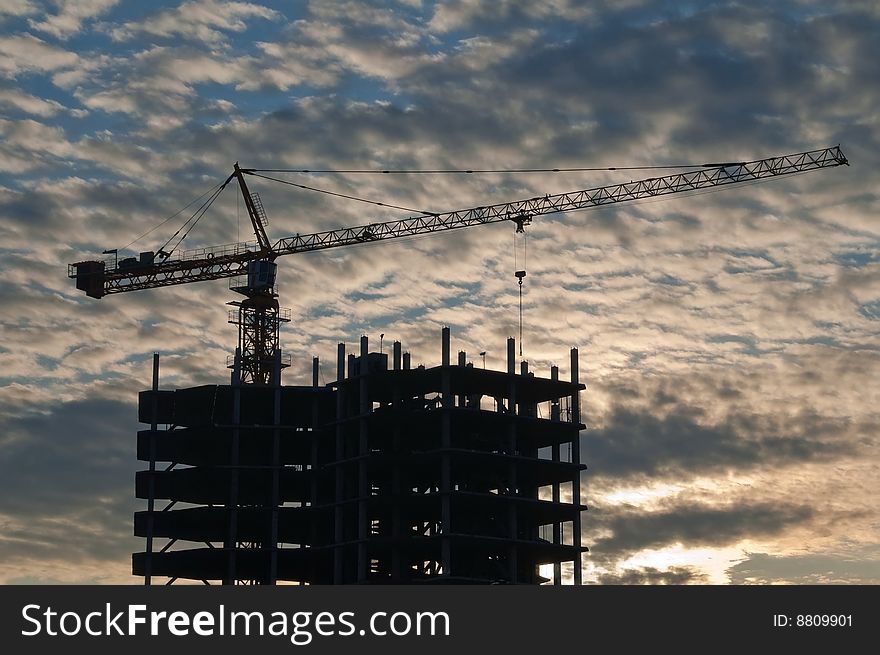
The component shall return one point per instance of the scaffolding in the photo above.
(452, 474)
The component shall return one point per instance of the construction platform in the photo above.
(389, 475)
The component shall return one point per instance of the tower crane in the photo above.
(258, 316)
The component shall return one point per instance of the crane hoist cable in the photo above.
(520, 248)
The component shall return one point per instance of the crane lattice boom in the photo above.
(97, 280)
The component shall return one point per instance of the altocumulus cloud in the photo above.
(729, 340)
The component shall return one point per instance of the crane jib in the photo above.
(97, 279)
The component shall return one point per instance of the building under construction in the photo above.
(389, 475)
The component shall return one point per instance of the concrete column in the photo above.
(396, 356)
(276, 470)
(317, 435)
(557, 532)
(462, 362)
(340, 362)
(364, 406)
(397, 531)
(151, 492)
(445, 459)
(576, 458)
(554, 406)
(512, 519)
(531, 409)
(232, 504)
(338, 517)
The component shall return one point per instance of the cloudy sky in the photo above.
(729, 340)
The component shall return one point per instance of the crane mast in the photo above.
(258, 316)
(258, 358)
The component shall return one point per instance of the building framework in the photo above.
(388, 475)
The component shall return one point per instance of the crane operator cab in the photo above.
(261, 275)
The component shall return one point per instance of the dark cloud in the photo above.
(648, 575)
(67, 456)
(653, 442)
(860, 567)
(105, 210)
(690, 525)
(67, 484)
(73, 535)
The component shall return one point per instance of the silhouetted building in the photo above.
(389, 475)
